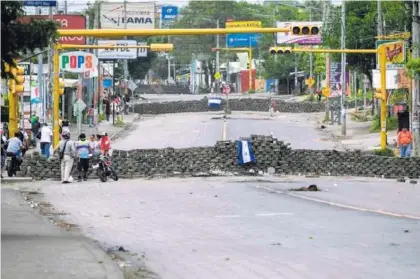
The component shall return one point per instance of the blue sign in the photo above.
(107, 83)
(40, 3)
(242, 40)
(169, 12)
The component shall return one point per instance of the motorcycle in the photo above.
(105, 169)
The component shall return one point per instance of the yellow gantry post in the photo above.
(384, 109)
(56, 95)
(12, 107)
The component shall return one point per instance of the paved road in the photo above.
(202, 129)
(228, 228)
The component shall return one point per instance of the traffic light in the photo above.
(161, 47)
(305, 30)
(16, 80)
(378, 94)
(61, 87)
(280, 50)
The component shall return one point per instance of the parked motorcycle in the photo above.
(105, 169)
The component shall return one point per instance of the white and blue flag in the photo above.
(214, 102)
(245, 153)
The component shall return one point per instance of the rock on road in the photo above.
(185, 130)
(228, 228)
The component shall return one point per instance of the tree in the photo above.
(361, 22)
(19, 38)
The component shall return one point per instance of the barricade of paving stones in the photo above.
(234, 104)
(221, 159)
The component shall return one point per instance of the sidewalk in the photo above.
(33, 248)
(358, 135)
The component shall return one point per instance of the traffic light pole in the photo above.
(381, 51)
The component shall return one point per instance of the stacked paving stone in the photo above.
(234, 104)
(269, 152)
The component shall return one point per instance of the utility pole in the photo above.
(65, 6)
(310, 56)
(343, 68)
(217, 84)
(380, 33)
(50, 76)
(125, 61)
(415, 88)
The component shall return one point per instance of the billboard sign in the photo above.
(139, 15)
(78, 62)
(66, 22)
(47, 3)
(394, 52)
(242, 40)
(118, 53)
(288, 38)
(169, 12)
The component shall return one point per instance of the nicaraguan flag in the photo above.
(214, 103)
(245, 153)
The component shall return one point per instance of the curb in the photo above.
(126, 126)
(14, 180)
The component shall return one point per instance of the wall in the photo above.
(234, 104)
(223, 157)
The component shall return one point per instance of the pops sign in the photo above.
(78, 62)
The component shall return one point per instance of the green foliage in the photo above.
(310, 98)
(359, 116)
(387, 152)
(392, 124)
(361, 17)
(252, 91)
(102, 117)
(413, 67)
(398, 96)
(18, 38)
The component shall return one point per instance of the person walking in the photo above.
(107, 109)
(35, 128)
(82, 147)
(45, 140)
(67, 153)
(91, 112)
(404, 140)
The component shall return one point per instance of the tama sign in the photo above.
(78, 62)
(139, 15)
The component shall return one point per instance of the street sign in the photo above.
(142, 52)
(79, 106)
(217, 75)
(395, 54)
(242, 40)
(310, 82)
(78, 61)
(118, 53)
(169, 12)
(40, 3)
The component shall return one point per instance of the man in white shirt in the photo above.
(46, 135)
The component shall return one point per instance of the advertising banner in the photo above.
(66, 22)
(78, 61)
(169, 13)
(243, 40)
(117, 53)
(139, 15)
(335, 80)
(395, 54)
(142, 52)
(289, 38)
